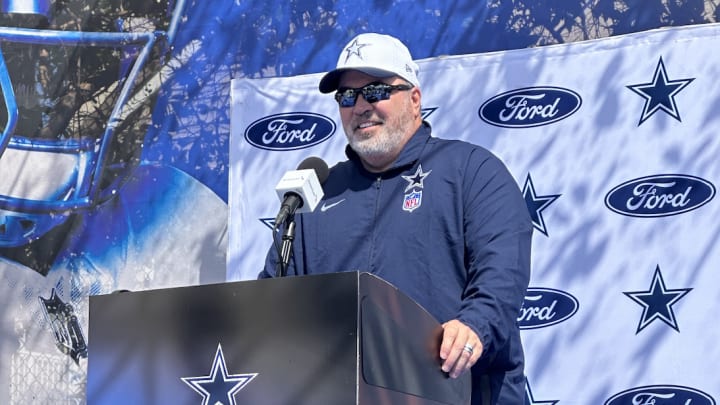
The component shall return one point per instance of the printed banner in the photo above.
(94, 197)
(613, 143)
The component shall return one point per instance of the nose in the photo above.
(361, 105)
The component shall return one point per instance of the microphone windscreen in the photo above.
(315, 163)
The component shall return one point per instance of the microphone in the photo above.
(300, 190)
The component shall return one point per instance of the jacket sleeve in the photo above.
(271, 261)
(498, 237)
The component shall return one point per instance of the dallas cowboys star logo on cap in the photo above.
(657, 302)
(660, 93)
(417, 179)
(354, 49)
(536, 204)
(219, 387)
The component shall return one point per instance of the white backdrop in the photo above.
(615, 144)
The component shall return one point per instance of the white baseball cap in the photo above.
(373, 54)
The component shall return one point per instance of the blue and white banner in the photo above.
(614, 145)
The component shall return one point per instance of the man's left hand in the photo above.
(460, 348)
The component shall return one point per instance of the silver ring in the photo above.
(468, 348)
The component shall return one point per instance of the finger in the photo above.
(453, 339)
(450, 331)
(456, 338)
(463, 363)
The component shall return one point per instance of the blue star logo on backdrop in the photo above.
(354, 49)
(417, 179)
(219, 387)
(530, 400)
(536, 204)
(657, 302)
(269, 222)
(660, 93)
(427, 111)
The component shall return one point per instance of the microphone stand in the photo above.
(287, 243)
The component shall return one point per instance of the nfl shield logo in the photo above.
(412, 201)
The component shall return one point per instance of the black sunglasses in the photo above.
(372, 93)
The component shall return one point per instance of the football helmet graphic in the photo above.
(78, 82)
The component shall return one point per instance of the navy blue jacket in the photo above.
(448, 226)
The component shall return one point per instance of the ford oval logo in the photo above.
(660, 195)
(545, 306)
(530, 107)
(661, 395)
(289, 131)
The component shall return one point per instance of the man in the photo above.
(443, 220)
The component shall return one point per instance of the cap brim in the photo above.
(331, 80)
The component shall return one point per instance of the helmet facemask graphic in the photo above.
(76, 104)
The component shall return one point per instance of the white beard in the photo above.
(382, 148)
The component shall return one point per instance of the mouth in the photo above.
(366, 125)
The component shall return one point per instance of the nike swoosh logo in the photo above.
(326, 206)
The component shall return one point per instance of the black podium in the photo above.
(335, 339)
